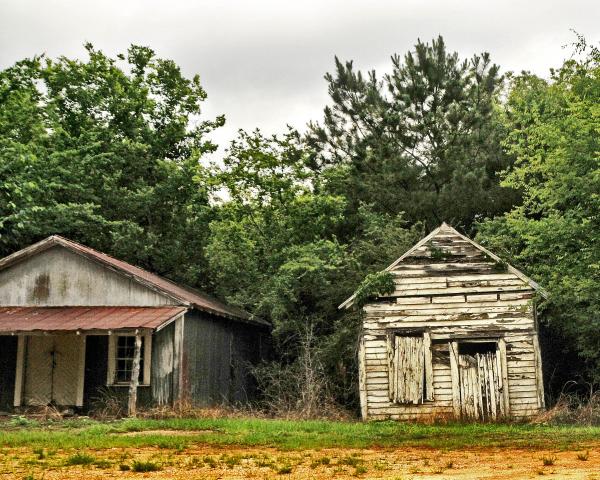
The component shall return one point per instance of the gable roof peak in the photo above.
(445, 226)
(186, 295)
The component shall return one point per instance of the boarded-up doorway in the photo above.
(480, 381)
(53, 370)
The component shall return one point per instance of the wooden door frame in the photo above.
(455, 371)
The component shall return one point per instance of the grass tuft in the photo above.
(583, 456)
(144, 466)
(80, 458)
(549, 461)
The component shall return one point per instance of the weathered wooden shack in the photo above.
(75, 322)
(457, 338)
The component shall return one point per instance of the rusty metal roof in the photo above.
(185, 295)
(29, 319)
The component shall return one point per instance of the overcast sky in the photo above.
(262, 61)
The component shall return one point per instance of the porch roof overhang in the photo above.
(84, 319)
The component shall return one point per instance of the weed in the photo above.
(41, 453)
(360, 470)
(320, 461)
(449, 465)
(284, 469)
(80, 458)
(102, 463)
(22, 421)
(210, 461)
(231, 460)
(549, 461)
(144, 466)
(124, 467)
(352, 461)
(583, 456)
(265, 462)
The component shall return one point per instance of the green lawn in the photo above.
(291, 435)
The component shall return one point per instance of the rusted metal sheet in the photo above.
(29, 319)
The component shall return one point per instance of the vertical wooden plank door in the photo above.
(52, 369)
(480, 385)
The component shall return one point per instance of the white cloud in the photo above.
(262, 62)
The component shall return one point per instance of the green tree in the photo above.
(554, 235)
(280, 247)
(424, 140)
(106, 151)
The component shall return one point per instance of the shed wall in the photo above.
(58, 277)
(457, 294)
(217, 356)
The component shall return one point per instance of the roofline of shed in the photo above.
(54, 240)
(348, 302)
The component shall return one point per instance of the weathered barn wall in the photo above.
(8, 363)
(216, 358)
(453, 291)
(58, 277)
(163, 364)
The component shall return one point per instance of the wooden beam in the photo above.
(538, 372)
(135, 373)
(428, 366)
(362, 378)
(19, 371)
(455, 378)
(81, 371)
(504, 376)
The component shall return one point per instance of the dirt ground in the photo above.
(209, 462)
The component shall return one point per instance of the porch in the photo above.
(64, 356)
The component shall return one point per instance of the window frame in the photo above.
(112, 360)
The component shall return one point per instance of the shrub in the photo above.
(80, 458)
(144, 466)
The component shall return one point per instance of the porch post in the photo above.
(19, 371)
(135, 374)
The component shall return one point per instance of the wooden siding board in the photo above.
(163, 359)
(58, 277)
(218, 355)
(459, 297)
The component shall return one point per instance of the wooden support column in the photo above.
(539, 377)
(504, 375)
(135, 374)
(455, 375)
(19, 371)
(362, 378)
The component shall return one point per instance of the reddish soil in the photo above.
(209, 462)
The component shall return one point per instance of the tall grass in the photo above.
(293, 434)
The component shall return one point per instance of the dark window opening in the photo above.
(472, 348)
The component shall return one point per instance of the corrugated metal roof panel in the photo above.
(29, 319)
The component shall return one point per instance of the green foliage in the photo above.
(104, 151)
(145, 466)
(109, 152)
(80, 458)
(424, 139)
(553, 235)
(375, 284)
